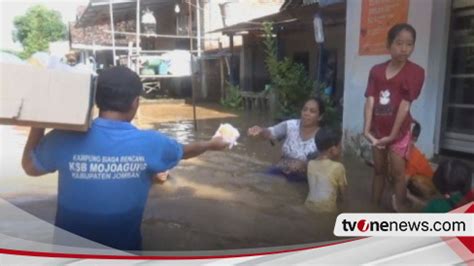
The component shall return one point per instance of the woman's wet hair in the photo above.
(453, 176)
(396, 29)
(320, 102)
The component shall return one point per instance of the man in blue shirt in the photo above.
(105, 174)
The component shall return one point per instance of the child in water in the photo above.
(326, 176)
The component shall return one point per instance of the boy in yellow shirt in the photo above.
(326, 176)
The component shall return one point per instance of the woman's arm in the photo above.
(257, 131)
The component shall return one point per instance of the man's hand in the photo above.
(217, 144)
(160, 178)
(254, 131)
(34, 138)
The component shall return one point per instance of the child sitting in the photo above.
(326, 177)
(418, 170)
(453, 179)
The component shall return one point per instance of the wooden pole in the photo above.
(193, 89)
(221, 68)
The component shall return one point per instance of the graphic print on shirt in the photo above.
(93, 167)
(384, 97)
(384, 108)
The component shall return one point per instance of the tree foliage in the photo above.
(292, 84)
(37, 28)
(233, 98)
(289, 79)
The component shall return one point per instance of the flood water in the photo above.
(220, 200)
(251, 148)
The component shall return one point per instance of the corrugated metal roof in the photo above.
(296, 16)
(300, 3)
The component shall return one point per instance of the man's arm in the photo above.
(34, 138)
(199, 147)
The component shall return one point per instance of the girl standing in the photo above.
(391, 89)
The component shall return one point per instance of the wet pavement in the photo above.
(220, 200)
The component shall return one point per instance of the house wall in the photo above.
(237, 11)
(431, 21)
(253, 72)
(166, 24)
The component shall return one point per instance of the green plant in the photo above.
(37, 28)
(292, 84)
(332, 115)
(233, 98)
(290, 80)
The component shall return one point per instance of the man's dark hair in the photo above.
(396, 29)
(326, 138)
(453, 176)
(117, 87)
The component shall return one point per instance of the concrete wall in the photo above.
(431, 21)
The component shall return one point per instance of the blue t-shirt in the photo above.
(104, 178)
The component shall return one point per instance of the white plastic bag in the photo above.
(229, 133)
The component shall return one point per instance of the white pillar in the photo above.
(137, 65)
(112, 28)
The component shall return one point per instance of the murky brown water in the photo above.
(220, 200)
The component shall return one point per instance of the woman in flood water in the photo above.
(298, 136)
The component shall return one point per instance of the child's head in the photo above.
(453, 176)
(401, 41)
(328, 142)
(415, 131)
(312, 111)
(118, 89)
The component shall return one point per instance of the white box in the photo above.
(33, 96)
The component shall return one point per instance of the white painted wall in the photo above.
(430, 19)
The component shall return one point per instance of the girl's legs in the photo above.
(397, 171)
(380, 173)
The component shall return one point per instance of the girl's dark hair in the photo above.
(396, 29)
(453, 176)
(320, 102)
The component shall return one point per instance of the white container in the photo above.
(50, 98)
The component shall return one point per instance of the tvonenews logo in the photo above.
(404, 224)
